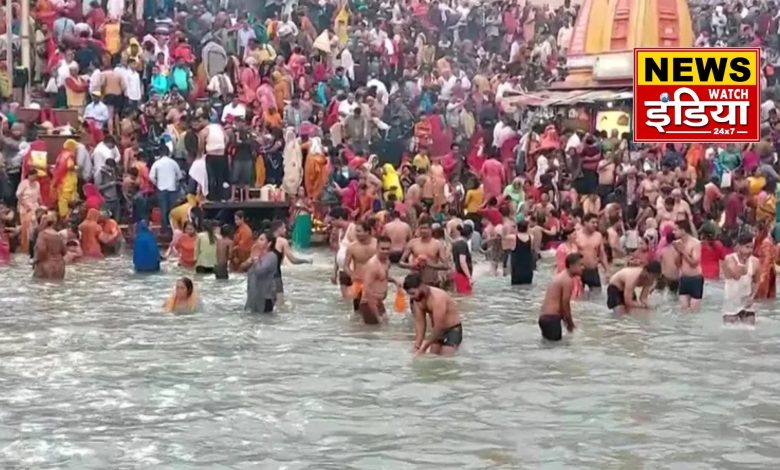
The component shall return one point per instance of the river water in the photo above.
(94, 376)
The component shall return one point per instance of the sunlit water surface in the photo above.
(94, 376)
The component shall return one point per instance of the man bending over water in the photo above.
(445, 320)
(621, 295)
(557, 301)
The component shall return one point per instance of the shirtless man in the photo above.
(113, 88)
(691, 288)
(590, 244)
(399, 233)
(650, 188)
(375, 281)
(670, 266)
(426, 253)
(557, 301)
(445, 320)
(358, 254)
(621, 292)
(452, 225)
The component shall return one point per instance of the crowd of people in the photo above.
(384, 121)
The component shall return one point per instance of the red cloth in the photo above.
(441, 136)
(462, 284)
(93, 199)
(492, 214)
(712, 253)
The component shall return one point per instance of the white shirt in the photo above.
(237, 111)
(244, 35)
(165, 174)
(447, 87)
(63, 71)
(220, 85)
(97, 111)
(95, 82)
(132, 81)
(346, 108)
(101, 154)
(215, 140)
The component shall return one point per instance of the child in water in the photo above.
(184, 299)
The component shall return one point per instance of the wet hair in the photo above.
(367, 225)
(522, 226)
(276, 225)
(572, 259)
(424, 220)
(438, 232)
(589, 216)
(412, 281)
(187, 285)
(669, 201)
(465, 230)
(269, 235)
(208, 227)
(226, 230)
(383, 239)
(653, 267)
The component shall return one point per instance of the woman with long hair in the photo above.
(206, 249)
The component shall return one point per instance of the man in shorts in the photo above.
(242, 169)
(436, 304)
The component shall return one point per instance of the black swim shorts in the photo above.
(452, 336)
(614, 297)
(692, 286)
(591, 278)
(551, 327)
(395, 256)
(666, 283)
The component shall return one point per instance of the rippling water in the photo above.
(93, 376)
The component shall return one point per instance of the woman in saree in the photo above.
(242, 243)
(92, 197)
(260, 282)
(35, 161)
(146, 253)
(50, 249)
(65, 180)
(90, 231)
(76, 90)
(28, 195)
(315, 172)
(764, 249)
(391, 182)
(282, 90)
(110, 235)
(183, 299)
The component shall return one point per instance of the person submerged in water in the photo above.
(621, 295)
(184, 299)
(556, 307)
(445, 320)
(375, 281)
(741, 278)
